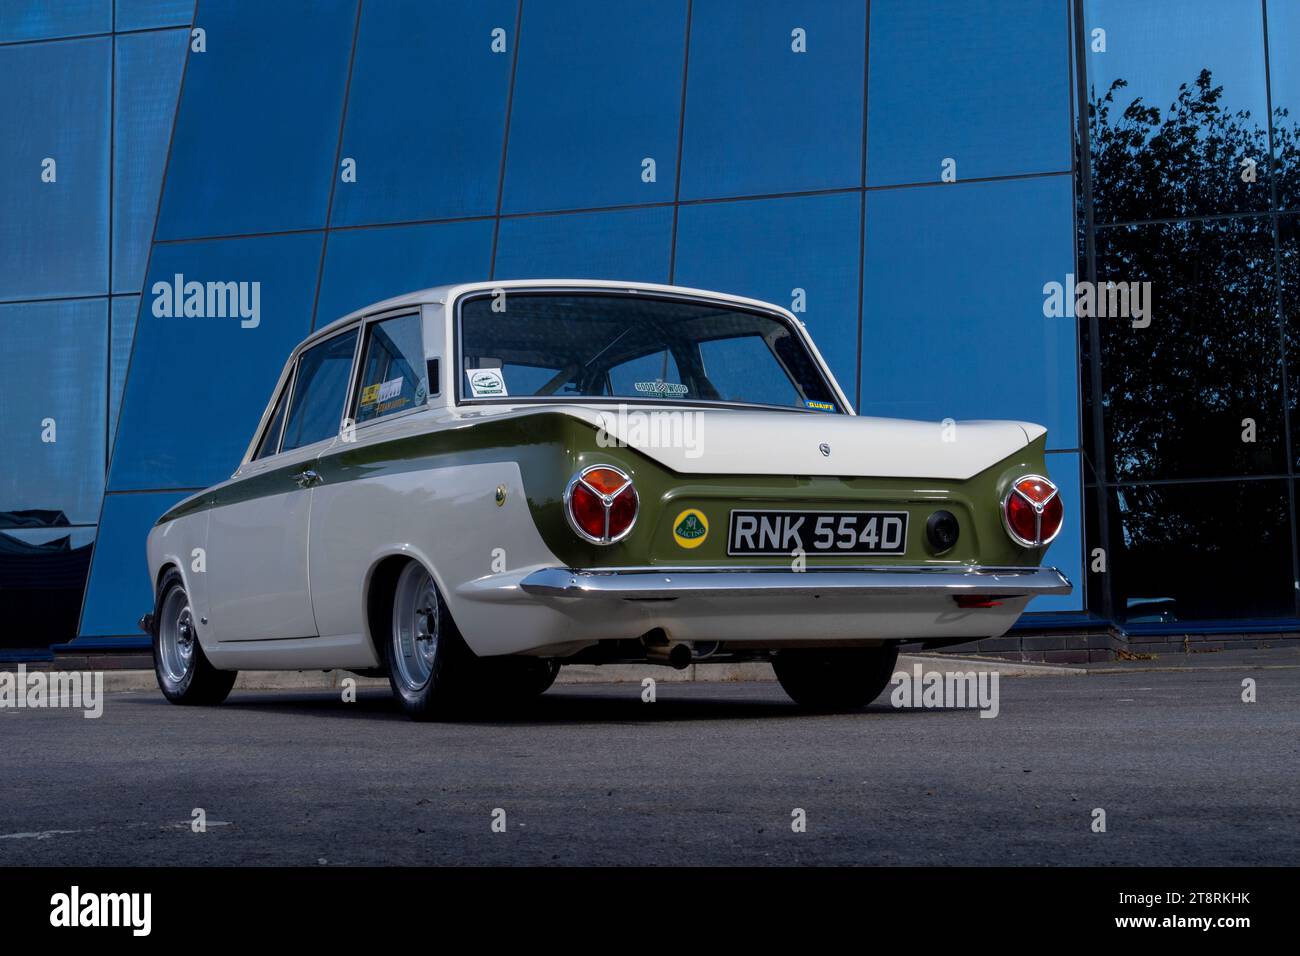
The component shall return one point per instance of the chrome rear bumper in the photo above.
(918, 581)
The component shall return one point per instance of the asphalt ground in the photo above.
(709, 773)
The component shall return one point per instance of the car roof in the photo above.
(442, 293)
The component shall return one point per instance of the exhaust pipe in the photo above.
(675, 654)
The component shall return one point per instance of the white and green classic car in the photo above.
(466, 488)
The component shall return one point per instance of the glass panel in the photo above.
(1289, 260)
(122, 314)
(1199, 392)
(42, 19)
(1099, 586)
(53, 409)
(769, 110)
(1177, 101)
(270, 443)
(1239, 533)
(986, 85)
(407, 166)
(120, 590)
(589, 337)
(148, 79)
(365, 266)
(42, 577)
(54, 114)
(1066, 552)
(1284, 71)
(393, 375)
(745, 365)
(320, 391)
(582, 59)
(799, 252)
(657, 367)
(531, 379)
(955, 319)
(632, 244)
(145, 14)
(199, 383)
(242, 91)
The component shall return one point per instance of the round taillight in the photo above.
(601, 504)
(1032, 511)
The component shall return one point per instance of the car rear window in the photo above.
(537, 346)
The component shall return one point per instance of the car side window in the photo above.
(320, 391)
(270, 443)
(394, 376)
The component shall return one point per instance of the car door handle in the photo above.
(306, 478)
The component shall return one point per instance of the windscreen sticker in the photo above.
(660, 387)
(370, 394)
(486, 382)
(819, 406)
(390, 389)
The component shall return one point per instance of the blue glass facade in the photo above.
(908, 175)
(54, 176)
(1190, 134)
(87, 113)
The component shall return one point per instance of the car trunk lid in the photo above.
(731, 441)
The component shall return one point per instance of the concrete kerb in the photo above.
(124, 681)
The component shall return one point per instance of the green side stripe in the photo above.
(550, 447)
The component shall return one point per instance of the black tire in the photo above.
(515, 679)
(184, 673)
(430, 668)
(835, 679)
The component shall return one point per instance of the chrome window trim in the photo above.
(282, 383)
(287, 394)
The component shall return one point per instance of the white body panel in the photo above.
(257, 566)
(257, 573)
(751, 442)
(172, 544)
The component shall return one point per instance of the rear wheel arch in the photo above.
(431, 670)
(380, 584)
(380, 588)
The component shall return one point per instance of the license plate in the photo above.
(817, 532)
